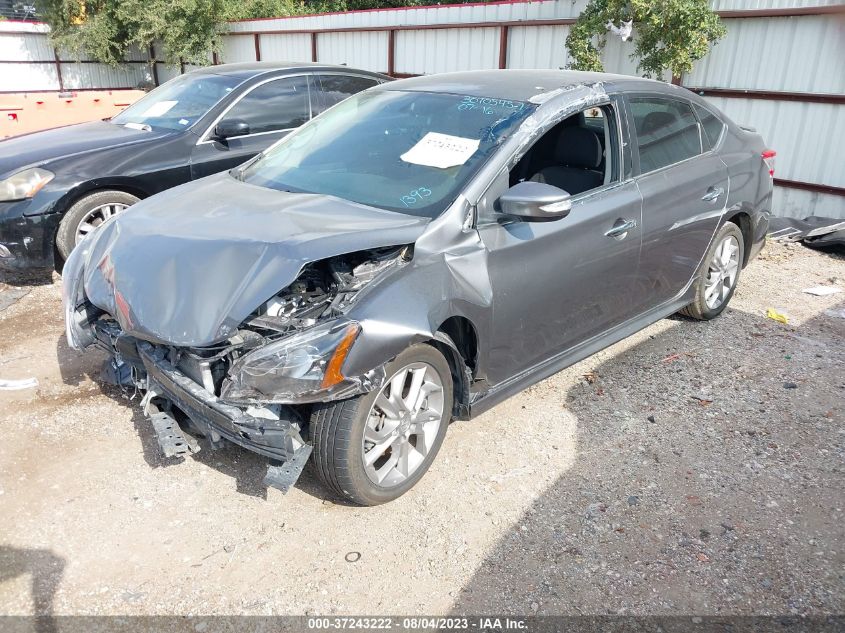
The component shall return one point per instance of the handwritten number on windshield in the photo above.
(414, 196)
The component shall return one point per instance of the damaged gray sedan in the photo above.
(418, 253)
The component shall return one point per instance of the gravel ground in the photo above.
(695, 468)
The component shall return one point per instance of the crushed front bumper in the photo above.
(277, 439)
(26, 241)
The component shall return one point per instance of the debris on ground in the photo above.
(780, 317)
(813, 231)
(15, 385)
(822, 291)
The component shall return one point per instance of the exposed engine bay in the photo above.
(256, 387)
(322, 291)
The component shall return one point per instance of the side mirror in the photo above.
(536, 201)
(230, 128)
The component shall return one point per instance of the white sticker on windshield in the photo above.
(441, 150)
(183, 121)
(157, 109)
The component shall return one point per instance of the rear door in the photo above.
(684, 189)
(272, 109)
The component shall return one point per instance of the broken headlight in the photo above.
(289, 370)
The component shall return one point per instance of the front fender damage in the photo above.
(190, 397)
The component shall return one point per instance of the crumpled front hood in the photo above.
(187, 266)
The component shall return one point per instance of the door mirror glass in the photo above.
(229, 128)
(535, 201)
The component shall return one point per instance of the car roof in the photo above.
(522, 85)
(247, 70)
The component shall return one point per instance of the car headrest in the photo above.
(656, 120)
(578, 147)
(576, 120)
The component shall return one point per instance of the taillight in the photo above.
(769, 159)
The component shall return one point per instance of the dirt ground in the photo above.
(695, 468)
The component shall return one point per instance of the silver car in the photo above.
(416, 254)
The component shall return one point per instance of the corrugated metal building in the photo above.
(779, 68)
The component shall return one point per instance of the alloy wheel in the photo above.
(722, 272)
(95, 217)
(402, 424)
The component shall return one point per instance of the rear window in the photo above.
(336, 88)
(712, 125)
(667, 132)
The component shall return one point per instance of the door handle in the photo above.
(621, 228)
(712, 194)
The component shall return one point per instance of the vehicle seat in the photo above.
(578, 154)
(653, 121)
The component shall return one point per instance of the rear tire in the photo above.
(87, 214)
(344, 434)
(719, 274)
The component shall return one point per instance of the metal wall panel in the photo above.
(166, 72)
(24, 77)
(797, 54)
(25, 47)
(238, 48)
(797, 203)
(289, 48)
(445, 50)
(134, 54)
(747, 5)
(364, 49)
(77, 75)
(537, 47)
(806, 136)
(429, 15)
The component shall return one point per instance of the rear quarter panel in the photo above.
(750, 183)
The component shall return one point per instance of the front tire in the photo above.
(87, 214)
(373, 448)
(719, 274)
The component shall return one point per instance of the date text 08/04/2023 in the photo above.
(479, 623)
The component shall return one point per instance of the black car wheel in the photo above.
(374, 448)
(719, 274)
(87, 214)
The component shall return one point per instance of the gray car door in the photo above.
(272, 109)
(556, 284)
(684, 193)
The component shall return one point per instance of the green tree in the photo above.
(107, 29)
(668, 34)
(187, 29)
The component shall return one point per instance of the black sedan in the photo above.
(58, 185)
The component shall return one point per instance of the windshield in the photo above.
(179, 103)
(410, 152)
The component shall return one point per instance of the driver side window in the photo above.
(576, 155)
(280, 104)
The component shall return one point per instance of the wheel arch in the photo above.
(742, 219)
(77, 193)
(457, 339)
(125, 185)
